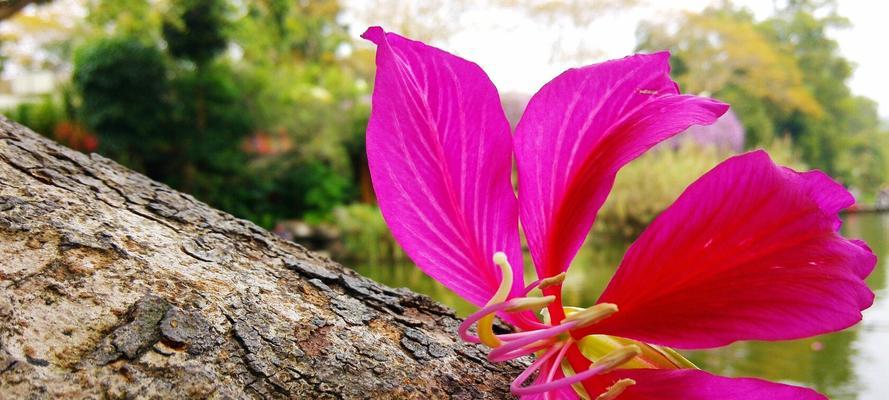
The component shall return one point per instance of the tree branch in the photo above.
(117, 286)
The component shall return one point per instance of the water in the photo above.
(848, 365)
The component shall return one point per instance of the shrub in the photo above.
(124, 89)
(365, 236)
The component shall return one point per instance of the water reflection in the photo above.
(849, 365)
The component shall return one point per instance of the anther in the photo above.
(552, 281)
(617, 358)
(616, 389)
(592, 314)
(529, 303)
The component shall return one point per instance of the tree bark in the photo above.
(116, 286)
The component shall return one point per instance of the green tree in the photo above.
(123, 83)
(722, 52)
(784, 76)
(124, 17)
(302, 78)
(802, 29)
(205, 93)
(195, 30)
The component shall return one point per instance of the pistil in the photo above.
(486, 323)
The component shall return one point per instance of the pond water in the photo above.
(849, 365)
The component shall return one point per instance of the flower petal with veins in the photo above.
(694, 384)
(440, 157)
(750, 251)
(578, 131)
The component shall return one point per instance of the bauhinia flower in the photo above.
(750, 251)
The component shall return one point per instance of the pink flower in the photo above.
(750, 251)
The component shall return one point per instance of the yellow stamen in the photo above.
(552, 281)
(529, 303)
(486, 324)
(592, 314)
(616, 389)
(617, 358)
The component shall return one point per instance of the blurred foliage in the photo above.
(53, 116)
(179, 89)
(124, 88)
(783, 76)
(195, 29)
(141, 18)
(41, 116)
(259, 107)
(297, 79)
(365, 235)
(311, 186)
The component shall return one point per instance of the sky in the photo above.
(515, 50)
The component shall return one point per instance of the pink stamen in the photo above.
(522, 351)
(558, 361)
(475, 317)
(516, 384)
(557, 384)
(518, 335)
(537, 324)
(500, 353)
(531, 286)
(557, 364)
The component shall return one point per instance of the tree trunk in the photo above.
(9, 8)
(115, 286)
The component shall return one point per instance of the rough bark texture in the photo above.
(115, 286)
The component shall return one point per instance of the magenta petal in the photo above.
(693, 384)
(748, 252)
(440, 156)
(575, 135)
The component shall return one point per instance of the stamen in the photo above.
(508, 351)
(486, 324)
(557, 363)
(529, 303)
(516, 387)
(552, 281)
(487, 311)
(592, 314)
(616, 389)
(519, 352)
(617, 358)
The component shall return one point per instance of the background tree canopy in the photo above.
(784, 76)
(259, 107)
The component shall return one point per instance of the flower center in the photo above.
(550, 343)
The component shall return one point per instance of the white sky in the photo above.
(515, 51)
